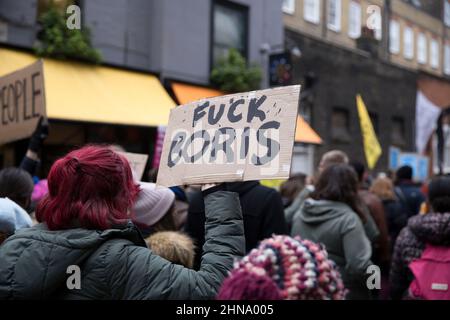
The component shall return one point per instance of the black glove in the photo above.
(39, 135)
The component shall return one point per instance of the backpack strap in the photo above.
(400, 195)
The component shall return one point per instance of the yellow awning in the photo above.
(305, 134)
(186, 93)
(83, 92)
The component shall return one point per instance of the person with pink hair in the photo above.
(87, 247)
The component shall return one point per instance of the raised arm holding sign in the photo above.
(239, 137)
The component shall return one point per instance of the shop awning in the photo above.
(89, 93)
(305, 134)
(186, 93)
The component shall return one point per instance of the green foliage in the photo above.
(58, 41)
(232, 75)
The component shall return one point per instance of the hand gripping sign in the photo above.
(238, 137)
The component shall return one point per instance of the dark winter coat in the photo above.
(262, 210)
(410, 196)
(432, 228)
(396, 218)
(116, 264)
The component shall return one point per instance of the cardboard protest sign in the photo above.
(238, 137)
(137, 163)
(22, 102)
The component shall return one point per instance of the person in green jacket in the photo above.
(86, 248)
(332, 216)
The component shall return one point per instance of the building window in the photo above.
(408, 43)
(434, 53)
(447, 12)
(334, 15)
(311, 11)
(447, 59)
(375, 21)
(230, 29)
(340, 125)
(446, 160)
(354, 20)
(374, 120)
(289, 6)
(394, 37)
(422, 48)
(398, 132)
(379, 32)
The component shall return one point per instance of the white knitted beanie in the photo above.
(152, 203)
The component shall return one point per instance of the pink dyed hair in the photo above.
(91, 187)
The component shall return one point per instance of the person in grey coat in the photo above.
(86, 248)
(329, 158)
(331, 216)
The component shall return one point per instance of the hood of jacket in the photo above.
(433, 228)
(318, 211)
(34, 261)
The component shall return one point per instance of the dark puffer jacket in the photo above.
(262, 212)
(432, 228)
(116, 264)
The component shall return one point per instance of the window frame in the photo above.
(394, 49)
(288, 9)
(422, 53)
(374, 119)
(354, 34)
(316, 18)
(434, 55)
(341, 135)
(446, 13)
(235, 6)
(402, 138)
(446, 163)
(408, 54)
(447, 59)
(336, 26)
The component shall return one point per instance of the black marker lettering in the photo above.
(253, 111)
(176, 148)
(273, 147)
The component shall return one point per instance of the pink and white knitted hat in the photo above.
(284, 268)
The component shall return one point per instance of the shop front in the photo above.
(92, 104)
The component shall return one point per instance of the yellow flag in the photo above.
(372, 147)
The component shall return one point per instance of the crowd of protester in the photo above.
(315, 238)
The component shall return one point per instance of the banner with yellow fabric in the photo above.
(372, 148)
